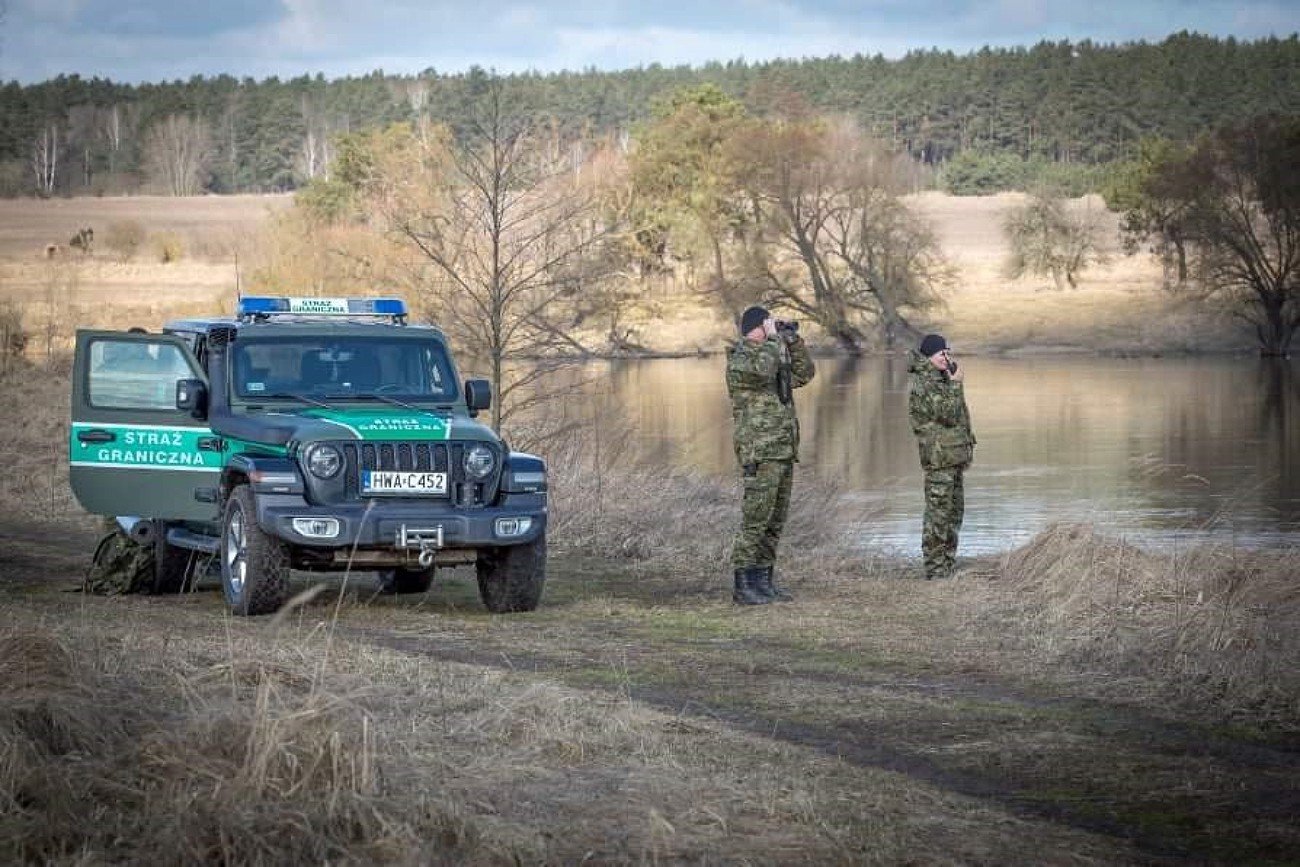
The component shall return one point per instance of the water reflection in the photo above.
(1157, 450)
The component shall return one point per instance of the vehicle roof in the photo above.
(285, 326)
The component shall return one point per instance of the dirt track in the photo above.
(915, 746)
(1143, 788)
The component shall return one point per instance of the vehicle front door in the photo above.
(130, 450)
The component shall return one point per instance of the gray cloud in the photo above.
(149, 40)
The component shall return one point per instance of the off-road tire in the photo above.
(399, 582)
(171, 565)
(265, 559)
(511, 578)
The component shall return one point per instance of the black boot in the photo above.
(746, 593)
(766, 586)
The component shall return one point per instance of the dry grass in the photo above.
(105, 756)
(165, 742)
(27, 226)
(1212, 625)
(34, 411)
(608, 501)
(157, 258)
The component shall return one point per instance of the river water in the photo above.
(1159, 451)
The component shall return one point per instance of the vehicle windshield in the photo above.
(341, 367)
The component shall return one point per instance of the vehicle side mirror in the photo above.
(192, 397)
(478, 394)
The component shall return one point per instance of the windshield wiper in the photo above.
(392, 401)
(302, 398)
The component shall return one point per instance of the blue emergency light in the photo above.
(262, 307)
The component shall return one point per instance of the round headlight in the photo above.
(479, 461)
(324, 462)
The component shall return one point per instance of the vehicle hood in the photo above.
(369, 424)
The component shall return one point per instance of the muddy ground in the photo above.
(872, 720)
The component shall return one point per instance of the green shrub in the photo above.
(976, 173)
(329, 201)
(1070, 180)
(980, 173)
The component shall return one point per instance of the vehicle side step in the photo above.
(183, 538)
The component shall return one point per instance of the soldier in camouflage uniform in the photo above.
(765, 366)
(941, 422)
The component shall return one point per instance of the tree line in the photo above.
(991, 119)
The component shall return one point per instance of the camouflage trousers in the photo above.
(945, 506)
(762, 513)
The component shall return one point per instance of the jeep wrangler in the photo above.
(316, 434)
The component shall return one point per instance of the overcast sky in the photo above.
(154, 40)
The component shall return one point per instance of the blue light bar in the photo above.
(254, 305)
(381, 306)
(262, 306)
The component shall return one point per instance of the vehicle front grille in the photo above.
(438, 457)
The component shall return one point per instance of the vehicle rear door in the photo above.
(130, 450)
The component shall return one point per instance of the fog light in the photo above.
(510, 527)
(316, 528)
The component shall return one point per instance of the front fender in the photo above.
(523, 474)
(266, 474)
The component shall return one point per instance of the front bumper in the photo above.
(377, 524)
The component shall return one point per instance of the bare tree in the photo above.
(116, 128)
(1243, 220)
(83, 123)
(834, 241)
(513, 237)
(316, 151)
(111, 130)
(1046, 238)
(178, 154)
(416, 92)
(45, 158)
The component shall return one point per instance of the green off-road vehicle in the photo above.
(314, 434)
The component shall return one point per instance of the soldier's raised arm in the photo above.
(802, 368)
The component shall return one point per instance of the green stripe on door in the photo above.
(143, 446)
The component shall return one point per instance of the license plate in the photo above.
(397, 482)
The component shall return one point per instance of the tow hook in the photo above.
(427, 539)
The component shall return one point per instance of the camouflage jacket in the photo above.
(940, 419)
(760, 377)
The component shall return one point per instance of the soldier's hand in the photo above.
(769, 326)
(959, 376)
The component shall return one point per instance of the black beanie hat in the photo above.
(933, 343)
(752, 318)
